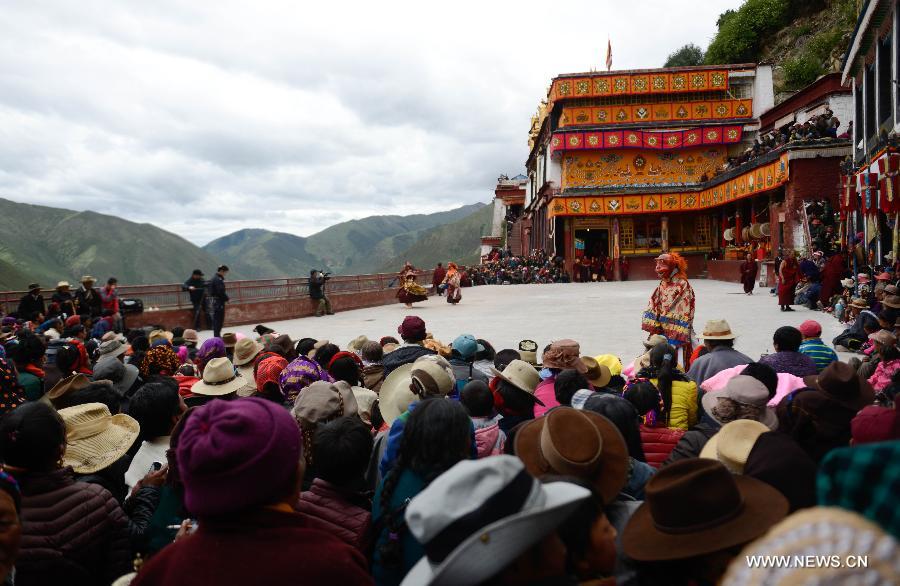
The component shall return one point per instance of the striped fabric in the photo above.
(821, 354)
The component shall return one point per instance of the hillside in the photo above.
(459, 242)
(44, 244)
(354, 247)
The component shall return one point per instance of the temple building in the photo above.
(629, 164)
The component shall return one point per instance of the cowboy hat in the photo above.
(694, 507)
(597, 374)
(111, 349)
(841, 382)
(859, 303)
(564, 354)
(883, 337)
(63, 285)
(522, 376)
(219, 379)
(717, 329)
(467, 541)
(94, 438)
(230, 339)
(745, 390)
(733, 443)
(245, 351)
(654, 340)
(395, 395)
(323, 401)
(157, 336)
(577, 443)
(610, 361)
(892, 301)
(73, 382)
(432, 375)
(122, 376)
(88, 279)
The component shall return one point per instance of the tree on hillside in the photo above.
(742, 32)
(689, 54)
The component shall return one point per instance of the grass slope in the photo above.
(259, 254)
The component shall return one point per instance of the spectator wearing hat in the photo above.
(63, 297)
(818, 417)
(813, 346)
(72, 532)
(211, 348)
(337, 501)
(220, 381)
(413, 333)
(215, 300)
(560, 355)
(241, 463)
(514, 396)
(787, 358)
(864, 322)
(245, 353)
(229, 339)
(320, 403)
(437, 435)
(160, 360)
(373, 370)
(66, 359)
(527, 351)
(468, 542)
(32, 303)
(643, 361)
(833, 534)
(718, 339)
(190, 340)
(695, 519)
(196, 288)
(87, 299)
(885, 344)
(122, 376)
(678, 392)
(462, 360)
(347, 367)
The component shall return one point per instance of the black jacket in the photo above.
(28, 305)
(691, 443)
(88, 301)
(216, 289)
(403, 355)
(199, 286)
(317, 286)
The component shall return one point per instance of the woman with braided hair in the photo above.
(677, 392)
(436, 436)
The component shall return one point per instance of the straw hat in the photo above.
(522, 376)
(395, 395)
(219, 379)
(63, 285)
(732, 444)
(859, 303)
(245, 351)
(597, 374)
(94, 438)
(357, 343)
(717, 329)
(88, 279)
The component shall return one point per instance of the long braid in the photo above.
(392, 549)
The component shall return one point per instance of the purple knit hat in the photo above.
(236, 455)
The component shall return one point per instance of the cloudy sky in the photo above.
(205, 117)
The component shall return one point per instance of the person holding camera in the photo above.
(317, 281)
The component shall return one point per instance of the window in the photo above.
(884, 80)
(869, 92)
(858, 123)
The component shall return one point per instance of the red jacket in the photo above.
(261, 547)
(328, 508)
(658, 443)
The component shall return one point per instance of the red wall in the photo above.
(644, 267)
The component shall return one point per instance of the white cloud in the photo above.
(207, 117)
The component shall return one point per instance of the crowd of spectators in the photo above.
(502, 268)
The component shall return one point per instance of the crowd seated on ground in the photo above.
(820, 128)
(408, 460)
(500, 267)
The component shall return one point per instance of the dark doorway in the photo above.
(592, 242)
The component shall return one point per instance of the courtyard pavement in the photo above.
(603, 317)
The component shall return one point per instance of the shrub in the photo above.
(689, 54)
(741, 33)
(800, 72)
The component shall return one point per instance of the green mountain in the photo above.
(459, 241)
(39, 243)
(354, 247)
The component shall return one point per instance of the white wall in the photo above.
(554, 170)
(499, 217)
(763, 90)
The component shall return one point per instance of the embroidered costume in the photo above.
(671, 308)
(410, 292)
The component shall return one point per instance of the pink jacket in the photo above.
(787, 383)
(881, 379)
(489, 438)
(547, 394)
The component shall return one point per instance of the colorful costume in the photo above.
(410, 291)
(671, 308)
(452, 280)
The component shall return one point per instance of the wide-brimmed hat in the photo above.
(121, 375)
(230, 339)
(190, 336)
(322, 402)
(528, 351)
(158, 336)
(480, 515)
(830, 533)
(73, 382)
(111, 349)
(891, 290)
(883, 337)
(841, 382)
(717, 329)
(564, 354)
(88, 279)
(570, 442)
(33, 287)
(522, 376)
(312, 353)
(219, 378)
(395, 395)
(63, 285)
(696, 506)
(95, 438)
(745, 390)
(245, 351)
(610, 361)
(859, 303)
(892, 301)
(654, 340)
(597, 374)
(732, 444)
(432, 375)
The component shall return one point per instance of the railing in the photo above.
(171, 297)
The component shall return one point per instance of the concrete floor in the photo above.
(603, 317)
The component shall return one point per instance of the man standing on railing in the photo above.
(317, 292)
(195, 286)
(216, 298)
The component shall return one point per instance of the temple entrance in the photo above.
(592, 242)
